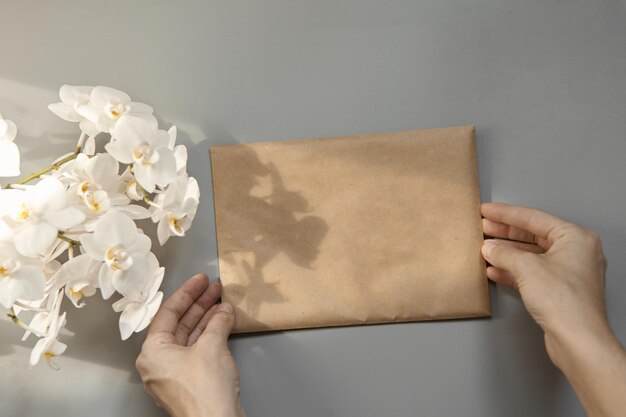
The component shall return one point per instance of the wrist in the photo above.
(569, 348)
(214, 410)
(575, 350)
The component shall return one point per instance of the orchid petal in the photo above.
(133, 130)
(9, 159)
(159, 139)
(180, 153)
(172, 133)
(105, 282)
(65, 112)
(66, 218)
(93, 247)
(8, 130)
(104, 123)
(26, 283)
(130, 319)
(71, 94)
(34, 239)
(90, 146)
(163, 231)
(116, 228)
(131, 281)
(166, 167)
(193, 190)
(141, 245)
(119, 151)
(102, 168)
(47, 195)
(119, 200)
(101, 96)
(151, 309)
(89, 128)
(90, 112)
(134, 211)
(145, 177)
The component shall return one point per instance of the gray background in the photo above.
(543, 81)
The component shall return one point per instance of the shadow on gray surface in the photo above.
(515, 342)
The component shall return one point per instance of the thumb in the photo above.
(505, 257)
(220, 324)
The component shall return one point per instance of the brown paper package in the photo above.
(352, 230)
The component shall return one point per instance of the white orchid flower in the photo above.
(47, 308)
(95, 183)
(72, 98)
(68, 229)
(79, 276)
(20, 277)
(139, 308)
(134, 141)
(175, 208)
(117, 243)
(180, 151)
(130, 187)
(9, 152)
(107, 105)
(49, 347)
(38, 213)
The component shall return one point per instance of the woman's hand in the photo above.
(559, 270)
(185, 363)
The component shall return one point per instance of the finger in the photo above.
(501, 277)
(220, 324)
(528, 247)
(505, 231)
(171, 311)
(537, 222)
(504, 256)
(195, 312)
(197, 332)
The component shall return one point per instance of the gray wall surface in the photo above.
(544, 81)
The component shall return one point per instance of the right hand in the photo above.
(558, 268)
(185, 362)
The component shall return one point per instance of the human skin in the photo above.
(185, 363)
(559, 270)
(557, 267)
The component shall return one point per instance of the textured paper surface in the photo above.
(351, 230)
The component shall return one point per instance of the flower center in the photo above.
(91, 203)
(24, 213)
(91, 196)
(145, 155)
(8, 267)
(114, 110)
(175, 225)
(118, 259)
(86, 186)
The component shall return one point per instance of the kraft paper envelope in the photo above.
(351, 230)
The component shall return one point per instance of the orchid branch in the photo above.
(63, 237)
(21, 324)
(53, 167)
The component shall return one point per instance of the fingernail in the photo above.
(225, 308)
(488, 247)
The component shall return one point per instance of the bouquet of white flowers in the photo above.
(73, 231)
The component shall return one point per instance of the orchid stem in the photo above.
(72, 242)
(54, 166)
(29, 308)
(81, 141)
(21, 324)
